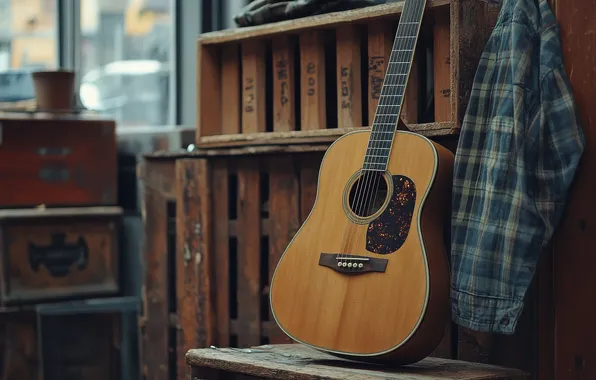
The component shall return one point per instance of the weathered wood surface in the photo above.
(574, 259)
(466, 49)
(231, 94)
(313, 112)
(298, 362)
(319, 136)
(349, 91)
(284, 99)
(194, 288)
(249, 252)
(160, 188)
(51, 278)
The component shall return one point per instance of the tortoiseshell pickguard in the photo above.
(387, 233)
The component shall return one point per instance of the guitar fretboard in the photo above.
(394, 86)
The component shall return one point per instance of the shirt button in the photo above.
(505, 321)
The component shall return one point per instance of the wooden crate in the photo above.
(176, 294)
(56, 162)
(257, 205)
(51, 254)
(321, 76)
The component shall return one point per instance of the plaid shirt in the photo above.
(519, 146)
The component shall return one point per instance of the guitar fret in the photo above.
(393, 90)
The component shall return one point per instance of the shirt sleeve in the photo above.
(561, 144)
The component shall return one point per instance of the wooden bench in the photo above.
(298, 362)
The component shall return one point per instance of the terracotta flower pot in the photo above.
(54, 90)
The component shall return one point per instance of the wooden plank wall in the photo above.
(574, 259)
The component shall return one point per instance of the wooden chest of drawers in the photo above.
(50, 254)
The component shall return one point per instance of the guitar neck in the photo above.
(394, 86)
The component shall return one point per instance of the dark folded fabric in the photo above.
(266, 11)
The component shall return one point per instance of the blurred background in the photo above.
(125, 52)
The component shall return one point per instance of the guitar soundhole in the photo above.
(368, 193)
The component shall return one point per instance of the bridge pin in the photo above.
(349, 265)
(360, 265)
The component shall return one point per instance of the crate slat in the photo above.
(230, 89)
(193, 274)
(154, 331)
(284, 100)
(442, 66)
(349, 90)
(253, 87)
(380, 42)
(209, 92)
(249, 251)
(221, 247)
(311, 137)
(467, 45)
(284, 218)
(312, 85)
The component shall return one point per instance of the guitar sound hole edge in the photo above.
(373, 182)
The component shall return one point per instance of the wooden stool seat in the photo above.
(297, 362)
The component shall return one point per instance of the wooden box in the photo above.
(57, 162)
(301, 363)
(50, 254)
(322, 75)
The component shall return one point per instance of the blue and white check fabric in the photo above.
(519, 147)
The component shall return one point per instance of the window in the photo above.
(125, 67)
(28, 34)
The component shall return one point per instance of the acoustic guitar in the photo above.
(366, 277)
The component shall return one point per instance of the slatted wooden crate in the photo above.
(251, 207)
(322, 75)
(176, 296)
(258, 204)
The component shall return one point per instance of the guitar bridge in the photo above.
(352, 264)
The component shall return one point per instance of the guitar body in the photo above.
(390, 303)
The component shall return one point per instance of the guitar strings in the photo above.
(411, 33)
(383, 119)
(407, 31)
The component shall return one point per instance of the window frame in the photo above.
(187, 19)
